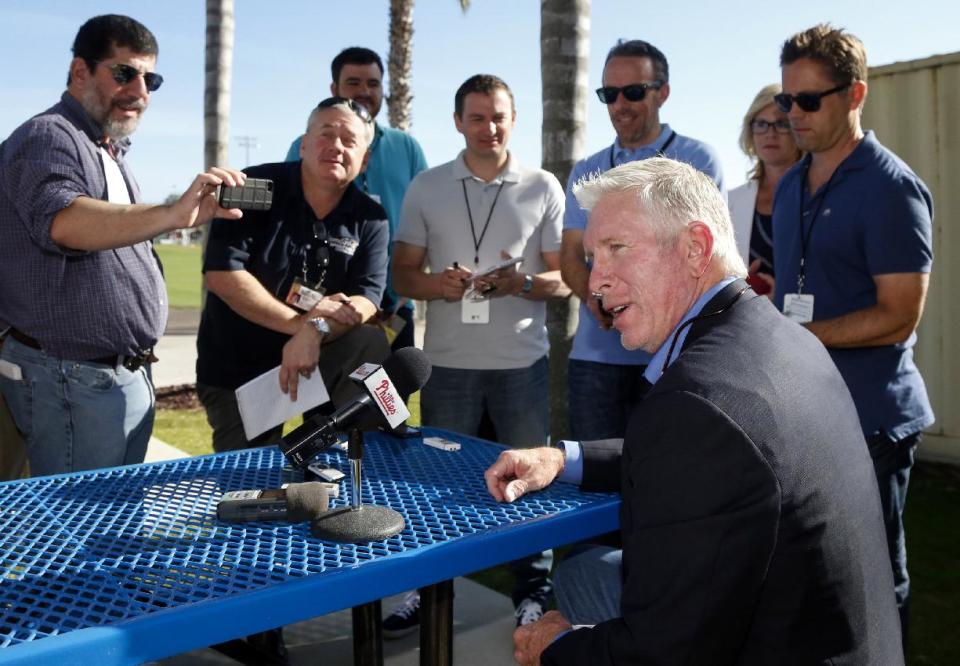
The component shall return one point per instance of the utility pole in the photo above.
(248, 142)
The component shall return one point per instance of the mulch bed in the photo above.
(181, 396)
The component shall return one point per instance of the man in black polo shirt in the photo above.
(321, 235)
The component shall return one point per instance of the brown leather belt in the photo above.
(131, 363)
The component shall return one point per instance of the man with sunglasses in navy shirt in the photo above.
(853, 249)
(603, 377)
(80, 286)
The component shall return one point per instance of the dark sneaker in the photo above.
(528, 612)
(405, 618)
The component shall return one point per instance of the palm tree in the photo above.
(216, 95)
(564, 56)
(400, 100)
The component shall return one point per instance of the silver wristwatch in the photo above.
(320, 325)
(527, 284)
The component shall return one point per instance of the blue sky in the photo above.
(720, 54)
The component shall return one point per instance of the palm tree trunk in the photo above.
(564, 57)
(216, 93)
(400, 100)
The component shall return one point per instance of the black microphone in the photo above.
(403, 373)
(294, 502)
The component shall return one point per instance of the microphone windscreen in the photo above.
(306, 501)
(408, 369)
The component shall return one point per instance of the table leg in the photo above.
(436, 624)
(367, 635)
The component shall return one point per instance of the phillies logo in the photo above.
(385, 397)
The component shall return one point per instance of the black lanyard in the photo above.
(486, 225)
(692, 320)
(805, 236)
(659, 153)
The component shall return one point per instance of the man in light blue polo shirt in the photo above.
(852, 230)
(395, 159)
(604, 377)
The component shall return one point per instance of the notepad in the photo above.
(263, 405)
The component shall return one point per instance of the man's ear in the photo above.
(333, 90)
(858, 94)
(698, 244)
(366, 160)
(79, 72)
(663, 94)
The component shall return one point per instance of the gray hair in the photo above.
(672, 195)
(345, 107)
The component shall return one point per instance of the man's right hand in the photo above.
(301, 353)
(453, 283)
(198, 205)
(519, 471)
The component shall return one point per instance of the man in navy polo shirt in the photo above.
(603, 377)
(322, 236)
(395, 160)
(852, 245)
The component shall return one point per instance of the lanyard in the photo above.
(659, 153)
(805, 236)
(486, 225)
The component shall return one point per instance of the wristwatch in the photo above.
(527, 285)
(320, 325)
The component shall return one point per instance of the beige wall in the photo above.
(914, 107)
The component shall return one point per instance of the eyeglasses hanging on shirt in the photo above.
(307, 289)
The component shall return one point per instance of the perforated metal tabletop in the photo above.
(129, 564)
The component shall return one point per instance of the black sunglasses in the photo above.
(808, 101)
(124, 74)
(760, 126)
(356, 107)
(635, 92)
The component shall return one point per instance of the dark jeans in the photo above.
(517, 402)
(892, 461)
(602, 396)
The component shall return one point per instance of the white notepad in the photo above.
(263, 405)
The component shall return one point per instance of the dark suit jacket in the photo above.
(750, 519)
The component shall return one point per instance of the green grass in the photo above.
(181, 267)
(933, 555)
(185, 429)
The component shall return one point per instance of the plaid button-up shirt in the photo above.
(78, 305)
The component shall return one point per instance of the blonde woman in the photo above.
(766, 138)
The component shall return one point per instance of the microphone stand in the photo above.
(359, 522)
